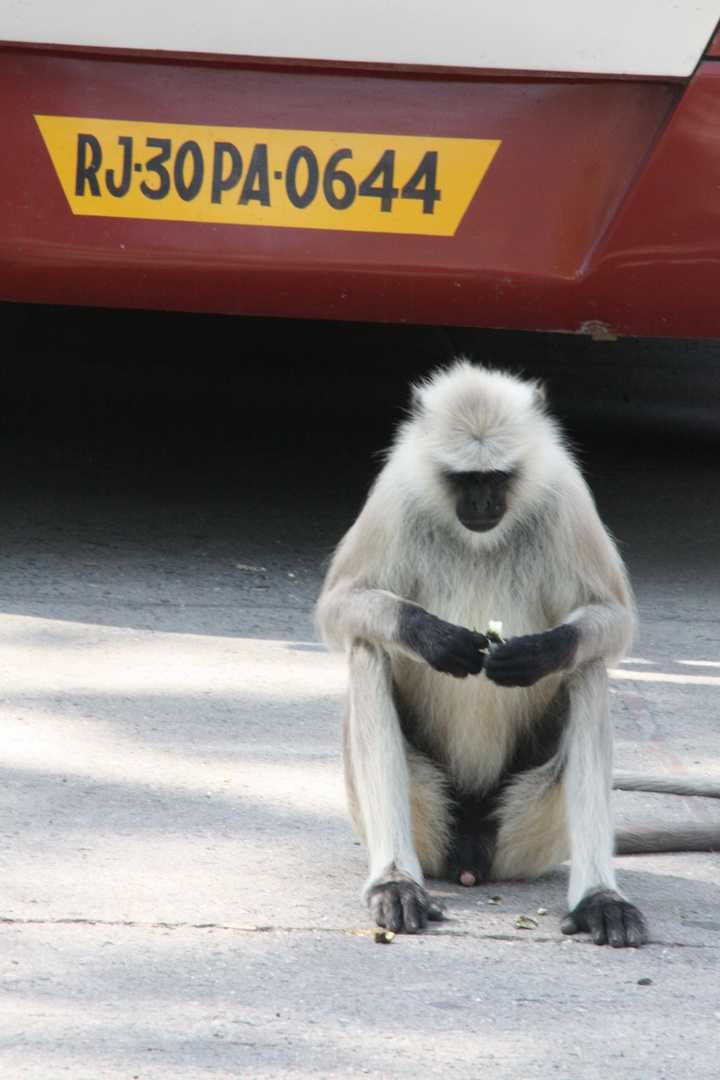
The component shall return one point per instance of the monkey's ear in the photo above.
(539, 397)
(416, 405)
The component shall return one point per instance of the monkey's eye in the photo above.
(480, 498)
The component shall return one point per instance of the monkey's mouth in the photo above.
(480, 523)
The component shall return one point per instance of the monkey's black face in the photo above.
(480, 498)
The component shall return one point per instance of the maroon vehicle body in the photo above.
(600, 211)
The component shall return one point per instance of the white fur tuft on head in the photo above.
(472, 419)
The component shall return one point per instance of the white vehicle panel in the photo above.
(621, 37)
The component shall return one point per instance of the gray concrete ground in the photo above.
(180, 882)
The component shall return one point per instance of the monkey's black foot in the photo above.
(402, 906)
(609, 919)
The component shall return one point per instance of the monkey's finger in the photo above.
(598, 931)
(624, 925)
(465, 661)
(636, 931)
(514, 672)
(468, 651)
(415, 914)
(436, 911)
(474, 663)
(594, 924)
(387, 910)
(569, 925)
(512, 676)
(615, 926)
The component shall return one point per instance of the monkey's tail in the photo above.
(667, 784)
(641, 839)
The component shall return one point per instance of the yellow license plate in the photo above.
(270, 177)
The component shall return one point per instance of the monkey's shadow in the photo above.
(680, 904)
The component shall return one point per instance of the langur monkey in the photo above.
(466, 759)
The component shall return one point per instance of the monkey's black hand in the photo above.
(402, 906)
(444, 646)
(609, 919)
(521, 661)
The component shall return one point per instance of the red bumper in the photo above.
(599, 211)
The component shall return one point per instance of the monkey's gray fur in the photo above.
(464, 758)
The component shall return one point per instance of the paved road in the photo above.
(179, 880)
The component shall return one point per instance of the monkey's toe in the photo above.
(608, 919)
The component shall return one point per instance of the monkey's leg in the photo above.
(593, 897)
(379, 788)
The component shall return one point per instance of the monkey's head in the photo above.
(479, 444)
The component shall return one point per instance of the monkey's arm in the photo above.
(383, 619)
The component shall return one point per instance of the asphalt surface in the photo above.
(180, 883)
